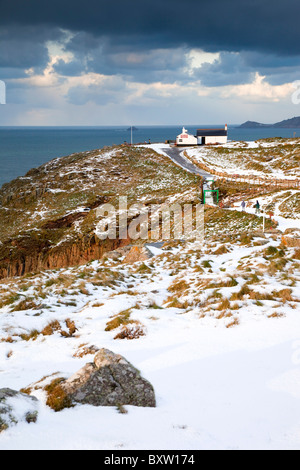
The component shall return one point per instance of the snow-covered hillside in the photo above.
(269, 160)
(220, 346)
(215, 327)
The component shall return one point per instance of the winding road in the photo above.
(175, 155)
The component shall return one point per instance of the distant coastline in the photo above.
(293, 123)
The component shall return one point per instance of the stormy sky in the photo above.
(104, 62)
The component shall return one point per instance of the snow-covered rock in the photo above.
(16, 407)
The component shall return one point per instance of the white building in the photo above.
(203, 137)
(184, 139)
(212, 136)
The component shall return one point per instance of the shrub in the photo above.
(297, 254)
(143, 269)
(51, 328)
(154, 305)
(259, 296)
(245, 239)
(178, 286)
(271, 251)
(56, 396)
(71, 327)
(240, 295)
(285, 295)
(276, 315)
(26, 304)
(32, 335)
(123, 318)
(206, 264)
(221, 250)
(224, 305)
(234, 322)
(131, 332)
(85, 350)
(174, 302)
(50, 283)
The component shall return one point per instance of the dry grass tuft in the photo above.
(56, 396)
(297, 254)
(123, 318)
(234, 322)
(131, 332)
(51, 328)
(84, 350)
(276, 315)
(71, 327)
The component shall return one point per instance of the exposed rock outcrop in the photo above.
(35, 257)
(109, 381)
(130, 254)
(137, 254)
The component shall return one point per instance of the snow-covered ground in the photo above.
(284, 223)
(266, 160)
(158, 147)
(221, 344)
(217, 387)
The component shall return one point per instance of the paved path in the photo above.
(175, 154)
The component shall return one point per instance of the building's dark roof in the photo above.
(212, 132)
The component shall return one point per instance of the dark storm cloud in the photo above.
(235, 68)
(233, 25)
(24, 47)
(136, 64)
(149, 41)
(229, 69)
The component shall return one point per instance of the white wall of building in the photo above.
(185, 139)
(216, 140)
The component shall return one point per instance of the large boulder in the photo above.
(109, 381)
(16, 407)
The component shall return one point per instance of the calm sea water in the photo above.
(24, 148)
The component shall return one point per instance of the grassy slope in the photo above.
(55, 205)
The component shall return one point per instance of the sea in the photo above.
(23, 148)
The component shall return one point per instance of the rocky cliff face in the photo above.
(42, 256)
(48, 217)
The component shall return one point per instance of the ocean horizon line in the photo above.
(116, 126)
